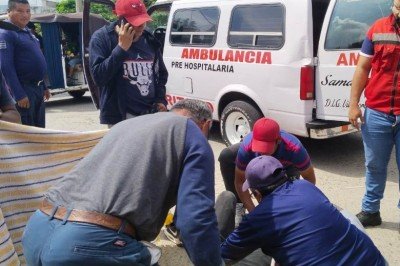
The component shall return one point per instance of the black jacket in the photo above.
(106, 60)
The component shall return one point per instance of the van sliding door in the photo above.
(343, 32)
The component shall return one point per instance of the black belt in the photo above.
(32, 83)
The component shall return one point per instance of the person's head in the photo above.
(134, 12)
(266, 136)
(19, 12)
(396, 9)
(263, 175)
(196, 110)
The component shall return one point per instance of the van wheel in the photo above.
(76, 94)
(237, 120)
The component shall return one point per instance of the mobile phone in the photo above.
(123, 20)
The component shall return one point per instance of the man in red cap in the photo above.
(127, 65)
(266, 139)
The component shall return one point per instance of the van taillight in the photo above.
(307, 83)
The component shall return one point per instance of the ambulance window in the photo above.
(196, 26)
(351, 20)
(260, 26)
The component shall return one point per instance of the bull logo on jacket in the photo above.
(139, 74)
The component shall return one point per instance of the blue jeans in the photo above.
(380, 133)
(49, 241)
(35, 114)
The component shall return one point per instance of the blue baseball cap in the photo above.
(263, 171)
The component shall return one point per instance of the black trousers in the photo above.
(227, 159)
(225, 211)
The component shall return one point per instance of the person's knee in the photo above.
(227, 197)
(228, 155)
(225, 153)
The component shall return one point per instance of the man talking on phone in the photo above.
(127, 65)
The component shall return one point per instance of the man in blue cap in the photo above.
(295, 223)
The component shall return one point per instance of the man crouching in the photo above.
(295, 223)
(120, 194)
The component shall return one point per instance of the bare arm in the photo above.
(244, 196)
(358, 84)
(309, 174)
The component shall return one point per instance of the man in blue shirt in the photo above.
(295, 223)
(23, 65)
(120, 194)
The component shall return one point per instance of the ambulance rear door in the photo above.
(344, 29)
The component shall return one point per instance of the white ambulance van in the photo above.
(291, 60)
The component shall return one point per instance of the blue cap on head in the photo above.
(263, 171)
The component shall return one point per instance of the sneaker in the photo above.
(369, 219)
(172, 234)
(240, 212)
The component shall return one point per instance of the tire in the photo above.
(76, 94)
(237, 120)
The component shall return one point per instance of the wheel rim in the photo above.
(236, 127)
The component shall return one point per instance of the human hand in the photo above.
(161, 107)
(355, 114)
(126, 34)
(23, 103)
(46, 94)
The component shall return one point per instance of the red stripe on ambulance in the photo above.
(172, 99)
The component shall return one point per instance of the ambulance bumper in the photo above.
(320, 129)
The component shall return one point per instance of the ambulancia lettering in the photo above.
(258, 57)
(347, 60)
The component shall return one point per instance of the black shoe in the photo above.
(369, 219)
(172, 234)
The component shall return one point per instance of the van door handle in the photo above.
(188, 85)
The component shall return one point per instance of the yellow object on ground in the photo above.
(169, 219)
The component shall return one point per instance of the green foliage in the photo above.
(149, 2)
(160, 19)
(102, 10)
(66, 6)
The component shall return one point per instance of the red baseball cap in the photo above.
(265, 134)
(134, 11)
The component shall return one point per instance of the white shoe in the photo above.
(240, 211)
(172, 234)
